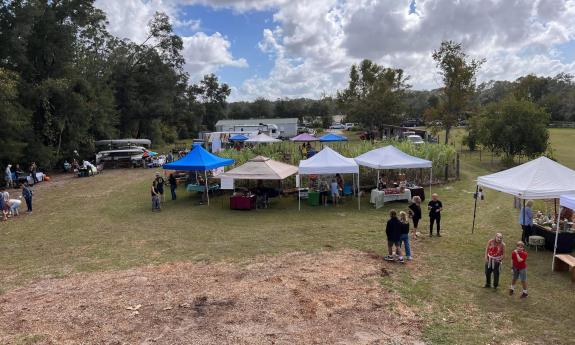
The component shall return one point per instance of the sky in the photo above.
(305, 48)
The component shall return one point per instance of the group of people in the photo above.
(494, 256)
(157, 190)
(13, 174)
(11, 206)
(333, 189)
(307, 151)
(397, 228)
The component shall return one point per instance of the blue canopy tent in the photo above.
(198, 159)
(332, 138)
(239, 137)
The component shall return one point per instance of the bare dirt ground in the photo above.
(320, 298)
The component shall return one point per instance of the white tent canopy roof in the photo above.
(567, 201)
(390, 157)
(540, 178)
(327, 161)
(260, 168)
(262, 138)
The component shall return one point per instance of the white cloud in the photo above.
(203, 53)
(313, 43)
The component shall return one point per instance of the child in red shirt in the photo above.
(519, 257)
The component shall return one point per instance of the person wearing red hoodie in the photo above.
(519, 258)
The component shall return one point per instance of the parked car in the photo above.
(349, 126)
(337, 126)
(415, 139)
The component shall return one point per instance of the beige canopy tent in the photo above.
(260, 168)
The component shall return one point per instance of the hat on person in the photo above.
(157, 173)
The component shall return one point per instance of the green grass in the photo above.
(105, 223)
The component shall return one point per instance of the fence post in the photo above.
(457, 166)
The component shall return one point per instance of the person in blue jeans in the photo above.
(27, 195)
(404, 239)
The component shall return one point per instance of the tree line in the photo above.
(66, 82)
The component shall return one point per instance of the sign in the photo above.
(227, 183)
(297, 183)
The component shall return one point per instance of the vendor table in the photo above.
(565, 240)
(241, 202)
(192, 187)
(379, 197)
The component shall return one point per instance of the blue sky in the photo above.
(304, 48)
(243, 30)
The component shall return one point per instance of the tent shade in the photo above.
(304, 137)
(327, 161)
(261, 168)
(262, 138)
(331, 138)
(567, 201)
(389, 157)
(239, 137)
(540, 178)
(198, 159)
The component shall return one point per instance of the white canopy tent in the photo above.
(328, 161)
(541, 178)
(261, 168)
(565, 201)
(262, 138)
(390, 157)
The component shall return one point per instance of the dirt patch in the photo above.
(322, 298)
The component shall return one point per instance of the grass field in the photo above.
(104, 223)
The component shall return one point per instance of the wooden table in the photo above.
(564, 262)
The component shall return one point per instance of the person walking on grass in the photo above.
(415, 213)
(435, 207)
(155, 198)
(519, 258)
(526, 221)
(27, 195)
(404, 238)
(393, 232)
(160, 186)
(173, 185)
(494, 254)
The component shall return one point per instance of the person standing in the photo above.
(173, 185)
(404, 238)
(494, 254)
(27, 195)
(33, 171)
(160, 186)
(334, 192)
(435, 207)
(323, 191)
(393, 232)
(155, 198)
(415, 213)
(519, 258)
(170, 157)
(8, 176)
(526, 221)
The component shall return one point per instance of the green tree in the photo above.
(513, 127)
(374, 95)
(458, 73)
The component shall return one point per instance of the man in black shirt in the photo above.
(173, 185)
(435, 207)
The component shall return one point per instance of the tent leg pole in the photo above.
(358, 194)
(556, 237)
(207, 190)
(475, 208)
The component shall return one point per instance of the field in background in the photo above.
(104, 223)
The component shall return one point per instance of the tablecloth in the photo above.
(378, 197)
